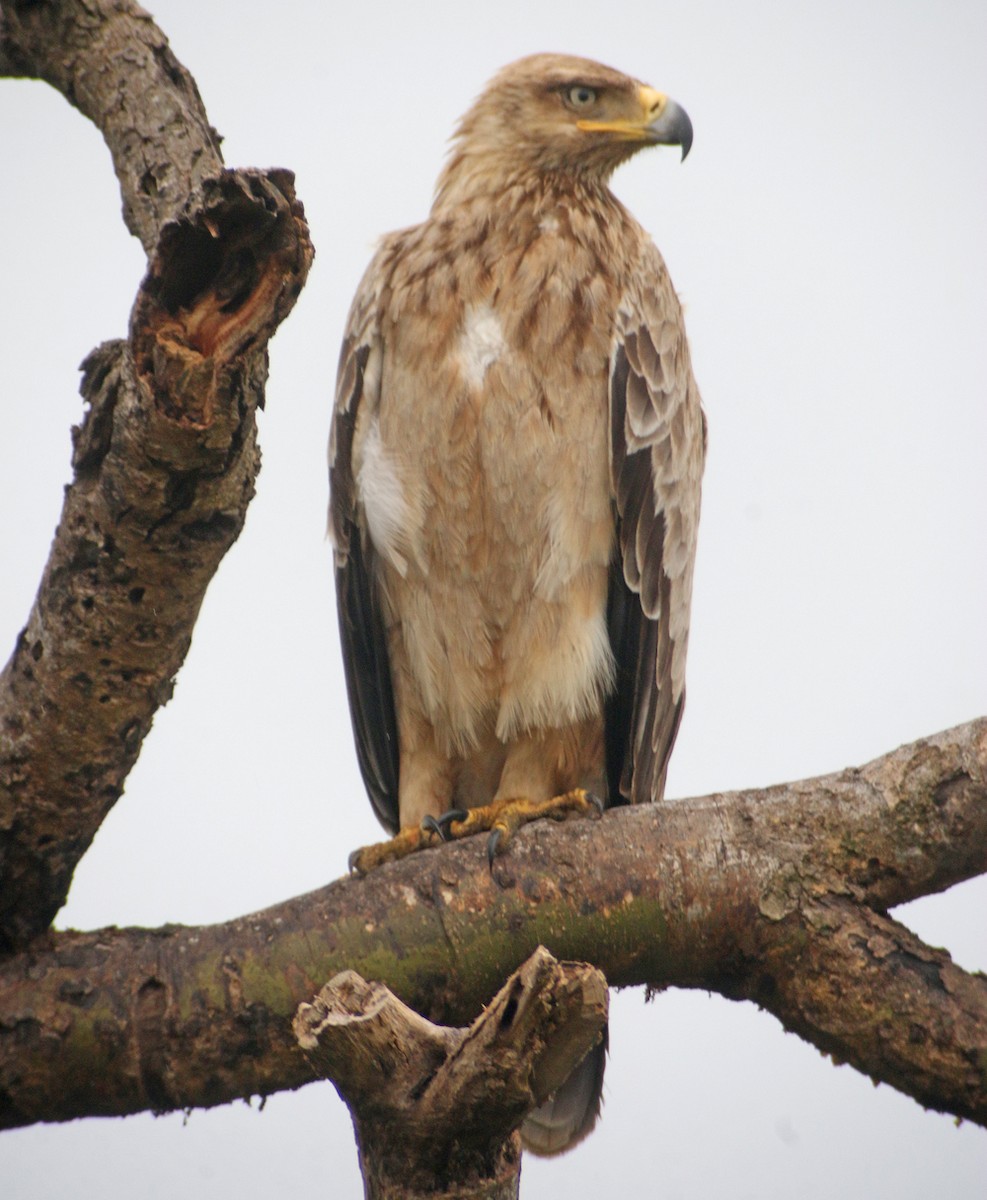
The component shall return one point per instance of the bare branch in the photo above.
(110, 60)
(867, 991)
(166, 459)
(723, 893)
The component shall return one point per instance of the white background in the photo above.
(827, 235)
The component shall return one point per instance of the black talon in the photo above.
(351, 863)
(430, 825)
(440, 825)
(493, 841)
(597, 802)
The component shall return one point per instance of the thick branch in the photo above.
(721, 893)
(166, 458)
(436, 1109)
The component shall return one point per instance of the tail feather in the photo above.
(569, 1116)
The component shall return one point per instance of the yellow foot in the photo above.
(406, 842)
(503, 818)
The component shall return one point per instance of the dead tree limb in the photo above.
(751, 894)
(436, 1109)
(166, 458)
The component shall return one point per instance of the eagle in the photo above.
(516, 456)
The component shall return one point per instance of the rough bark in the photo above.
(166, 458)
(436, 1109)
(867, 991)
(110, 60)
(752, 894)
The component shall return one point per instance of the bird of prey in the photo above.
(516, 455)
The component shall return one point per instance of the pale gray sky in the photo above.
(827, 235)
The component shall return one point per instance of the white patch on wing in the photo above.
(383, 499)
(481, 344)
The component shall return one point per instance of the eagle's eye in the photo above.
(580, 96)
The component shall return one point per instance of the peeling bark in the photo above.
(166, 458)
(723, 893)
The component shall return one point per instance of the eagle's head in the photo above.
(554, 114)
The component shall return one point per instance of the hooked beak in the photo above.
(672, 127)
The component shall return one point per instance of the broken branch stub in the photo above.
(436, 1109)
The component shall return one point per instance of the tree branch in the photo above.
(867, 991)
(736, 893)
(110, 60)
(166, 458)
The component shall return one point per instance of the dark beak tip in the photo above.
(686, 138)
(674, 128)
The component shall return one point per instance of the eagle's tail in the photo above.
(569, 1116)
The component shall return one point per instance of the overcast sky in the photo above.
(827, 235)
